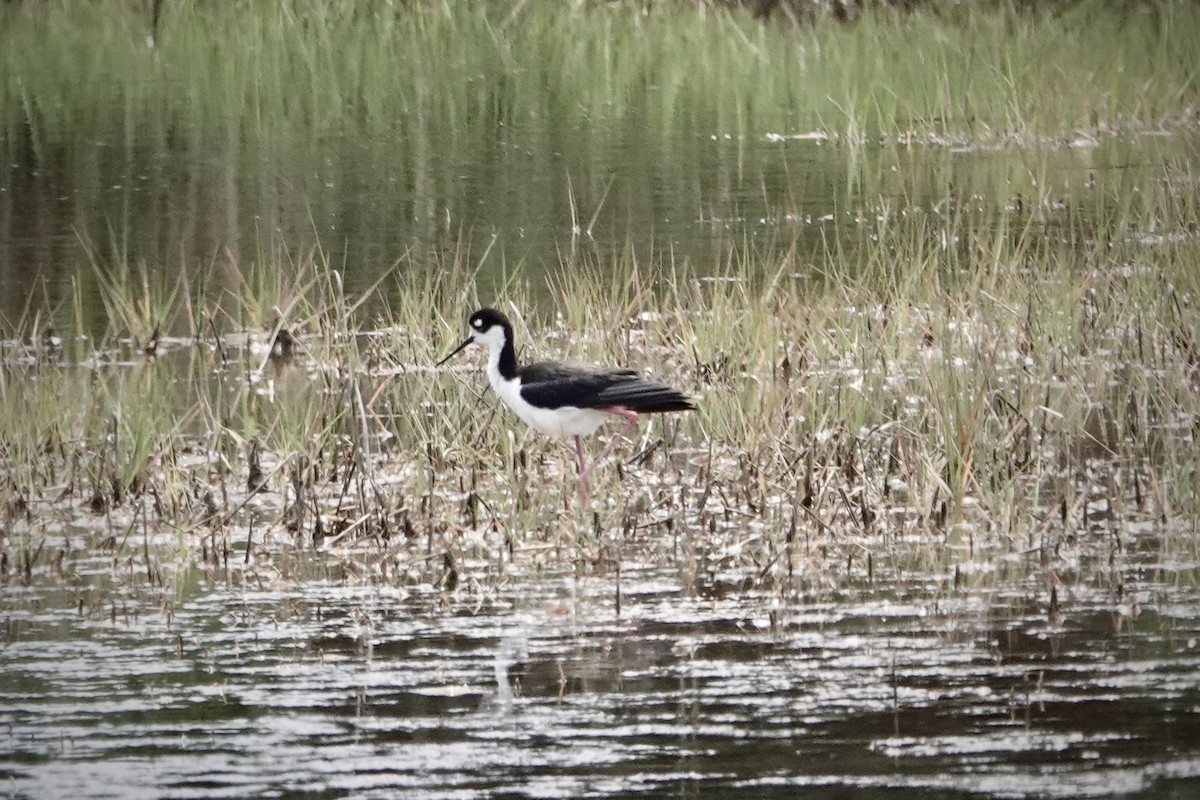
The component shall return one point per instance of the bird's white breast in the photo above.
(563, 421)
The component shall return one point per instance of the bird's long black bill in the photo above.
(456, 351)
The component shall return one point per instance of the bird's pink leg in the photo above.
(584, 469)
(627, 414)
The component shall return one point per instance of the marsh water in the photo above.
(324, 688)
(649, 680)
(514, 207)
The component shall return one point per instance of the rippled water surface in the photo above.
(330, 689)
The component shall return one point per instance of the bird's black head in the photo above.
(488, 327)
(485, 319)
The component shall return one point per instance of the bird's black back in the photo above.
(552, 384)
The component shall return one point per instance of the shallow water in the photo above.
(705, 202)
(324, 688)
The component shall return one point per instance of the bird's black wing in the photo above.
(552, 383)
(643, 394)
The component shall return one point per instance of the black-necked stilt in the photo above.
(566, 399)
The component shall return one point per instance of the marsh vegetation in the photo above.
(932, 276)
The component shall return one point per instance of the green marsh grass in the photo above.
(967, 384)
(966, 419)
(982, 363)
(269, 76)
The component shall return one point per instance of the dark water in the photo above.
(328, 689)
(516, 205)
(368, 205)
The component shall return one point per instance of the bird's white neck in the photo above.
(493, 367)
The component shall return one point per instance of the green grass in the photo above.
(269, 77)
(975, 375)
(1048, 399)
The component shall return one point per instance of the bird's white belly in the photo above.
(564, 421)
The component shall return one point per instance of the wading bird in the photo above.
(566, 399)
